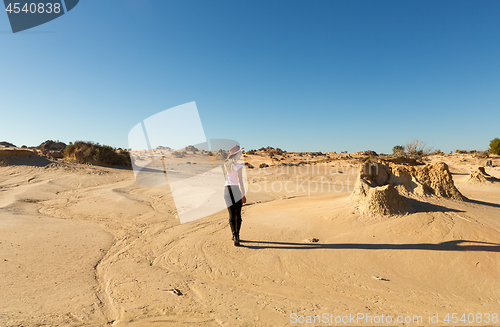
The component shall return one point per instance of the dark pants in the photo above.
(234, 209)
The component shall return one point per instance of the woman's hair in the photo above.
(231, 161)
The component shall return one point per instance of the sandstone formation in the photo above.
(384, 200)
(191, 148)
(383, 188)
(220, 155)
(178, 154)
(16, 152)
(433, 179)
(7, 144)
(479, 176)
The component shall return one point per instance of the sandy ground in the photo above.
(88, 246)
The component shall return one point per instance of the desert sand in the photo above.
(83, 245)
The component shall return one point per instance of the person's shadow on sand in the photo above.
(456, 245)
(490, 204)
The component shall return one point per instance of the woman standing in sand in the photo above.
(234, 191)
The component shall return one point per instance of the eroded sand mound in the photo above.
(479, 176)
(9, 156)
(380, 187)
(432, 179)
(384, 200)
(21, 157)
(16, 152)
(7, 144)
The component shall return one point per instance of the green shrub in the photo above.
(398, 151)
(495, 146)
(263, 165)
(70, 149)
(482, 154)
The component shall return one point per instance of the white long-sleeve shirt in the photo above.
(232, 176)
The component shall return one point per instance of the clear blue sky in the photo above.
(299, 75)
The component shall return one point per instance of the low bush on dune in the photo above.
(398, 151)
(495, 146)
(482, 154)
(437, 153)
(416, 149)
(94, 153)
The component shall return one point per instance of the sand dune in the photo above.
(85, 245)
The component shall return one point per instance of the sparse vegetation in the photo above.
(495, 146)
(94, 153)
(398, 151)
(482, 154)
(437, 153)
(263, 165)
(416, 149)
